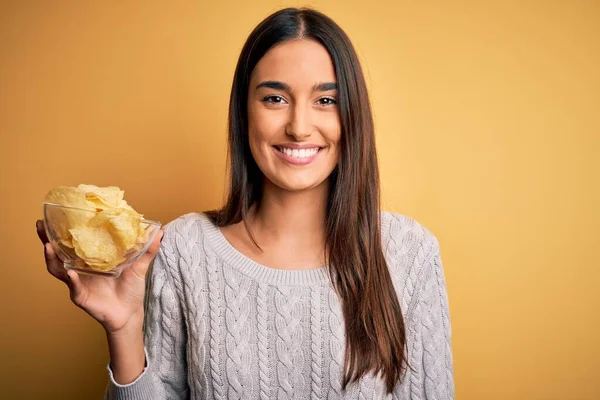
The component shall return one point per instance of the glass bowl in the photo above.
(58, 221)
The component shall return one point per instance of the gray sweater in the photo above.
(221, 326)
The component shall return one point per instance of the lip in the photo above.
(298, 146)
(298, 161)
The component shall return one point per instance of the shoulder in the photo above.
(183, 225)
(180, 240)
(403, 233)
(410, 250)
(184, 230)
(180, 254)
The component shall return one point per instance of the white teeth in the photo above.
(299, 153)
(311, 152)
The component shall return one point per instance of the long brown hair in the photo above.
(375, 331)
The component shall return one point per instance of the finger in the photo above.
(155, 246)
(54, 265)
(78, 290)
(149, 255)
(41, 231)
(141, 266)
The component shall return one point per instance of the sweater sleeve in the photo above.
(429, 334)
(165, 375)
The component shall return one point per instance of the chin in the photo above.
(297, 184)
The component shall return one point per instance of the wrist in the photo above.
(126, 350)
(132, 326)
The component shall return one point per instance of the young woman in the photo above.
(299, 287)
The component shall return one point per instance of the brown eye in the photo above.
(327, 101)
(273, 99)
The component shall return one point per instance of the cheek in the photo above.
(332, 131)
(263, 125)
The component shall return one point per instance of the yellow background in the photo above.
(488, 133)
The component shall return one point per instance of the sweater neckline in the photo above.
(234, 258)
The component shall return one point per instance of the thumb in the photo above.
(141, 266)
(78, 290)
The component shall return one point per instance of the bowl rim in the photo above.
(144, 220)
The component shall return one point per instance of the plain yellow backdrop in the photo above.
(488, 132)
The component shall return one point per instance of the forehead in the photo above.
(297, 63)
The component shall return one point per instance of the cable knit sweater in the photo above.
(221, 326)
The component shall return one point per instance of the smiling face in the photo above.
(293, 120)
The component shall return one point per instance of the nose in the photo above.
(299, 126)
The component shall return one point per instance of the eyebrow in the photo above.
(324, 87)
(319, 87)
(274, 85)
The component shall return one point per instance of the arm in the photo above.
(429, 335)
(165, 373)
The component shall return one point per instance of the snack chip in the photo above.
(100, 226)
(97, 247)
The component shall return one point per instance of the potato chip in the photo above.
(101, 219)
(67, 196)
(143, 233)
(94, 243)
(103, 197)
(125, 228)
(67, 241)
(105, 266)
(122, 224)
(71, 218)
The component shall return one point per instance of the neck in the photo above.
(293, 218)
